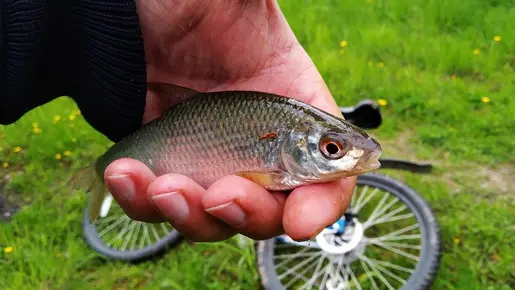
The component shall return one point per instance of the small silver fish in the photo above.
(275, 141)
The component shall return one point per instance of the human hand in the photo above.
(215, 46)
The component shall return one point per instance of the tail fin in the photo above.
(88, 180)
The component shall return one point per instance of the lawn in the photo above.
(444, 71)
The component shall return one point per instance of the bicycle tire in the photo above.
(152, 251)
(428, 265)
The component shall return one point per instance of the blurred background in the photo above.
(443, 74)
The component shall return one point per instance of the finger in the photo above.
(128, 180)
(179, 200)
(246, 206)
(309, 209)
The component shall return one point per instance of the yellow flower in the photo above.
(58, 156)
(381, 64)
(67, 153)
(344, 43)
(342, 52)
(37, 130)
(476, 51)
(456, 241)
(485, 99)
(382, 102)
(8, 250)
(17, 149)
(56, 119)
(71, 117)
(34, 125)
(5, 164)
(74, 140)
(497, 38)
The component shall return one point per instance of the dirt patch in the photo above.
(487, 181)
(501, 179)
(399, 148)
(7, 207)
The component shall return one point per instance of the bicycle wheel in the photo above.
(118, 237)
(388, 239)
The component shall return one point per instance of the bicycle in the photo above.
(336, 252)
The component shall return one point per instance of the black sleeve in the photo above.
(89, 50)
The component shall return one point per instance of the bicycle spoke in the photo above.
(366, 200)
(345, 275)
(301, 274)
(296, 255)
(353, 276)
(378, 273)
(379, 212)
(336, 273)
(327, 271)
(401, 231)
(378, 207)
(367, 272)
(398, 251)
(393, 266)
(154, 232)
(126, 242)
(112, 226)
(293, 256)
(405, 246)
(125, 228)
(165, 230)
(297, 266)
(391, 219)
(136, 232)
(362, 195)
(382, 269)
(388, 217)
(316, 273)
(353, 199)
(145, 238)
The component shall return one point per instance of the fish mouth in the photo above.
(370, 163)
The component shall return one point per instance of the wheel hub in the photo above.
(334, 241)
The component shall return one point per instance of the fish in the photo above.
(275, 141)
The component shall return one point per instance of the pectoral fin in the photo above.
(271, 180)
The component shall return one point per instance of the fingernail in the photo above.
(229, 212)
(172, 206)
(123, 185)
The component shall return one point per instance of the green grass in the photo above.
(417, 55)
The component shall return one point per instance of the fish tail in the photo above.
(98, 193)
(87, 179)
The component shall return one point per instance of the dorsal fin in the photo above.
(173, 93)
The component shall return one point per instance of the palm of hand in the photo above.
(210, 46)
(226, 45)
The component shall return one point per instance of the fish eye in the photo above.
(332, 146)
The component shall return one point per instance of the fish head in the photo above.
(322, 151)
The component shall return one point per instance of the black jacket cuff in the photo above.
(90, 50)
